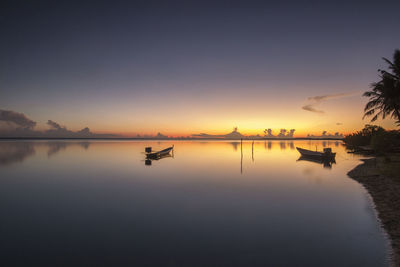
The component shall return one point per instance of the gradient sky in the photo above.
(183, 67)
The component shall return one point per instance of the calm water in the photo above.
(97, 203)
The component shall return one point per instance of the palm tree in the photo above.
(385, 95)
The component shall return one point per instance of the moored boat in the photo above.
(327, 153)
(159, 154)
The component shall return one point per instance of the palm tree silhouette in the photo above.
(385, 94)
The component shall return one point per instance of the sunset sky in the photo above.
(182, 68)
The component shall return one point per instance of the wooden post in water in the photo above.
(241, 155)
(252, 151)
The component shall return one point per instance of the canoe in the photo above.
(159, 154)
(316, 154)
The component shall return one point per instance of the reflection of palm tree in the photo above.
(385, 94)
(291, 145)
(283, 145)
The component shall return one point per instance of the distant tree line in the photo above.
(376, 138)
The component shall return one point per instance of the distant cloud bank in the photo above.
(15, 119)
(14, 124)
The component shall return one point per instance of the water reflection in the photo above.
(327, 163)
(19, 151)
(235, 145)
(11, 152)
(291, 145)
(248, 148)
(283, 145)
(16, 151)
(101, 205)
(148, 161)
(55, 147)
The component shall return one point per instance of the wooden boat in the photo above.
(326, 154)
(159, 154)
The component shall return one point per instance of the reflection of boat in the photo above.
(159, 154)
(327, 162)
(150, 159)
(327, 154)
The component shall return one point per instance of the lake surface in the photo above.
(214, 203)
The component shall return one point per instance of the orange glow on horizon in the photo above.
(252, 115)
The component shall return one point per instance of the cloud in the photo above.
(339, 123)
(316, 100)
(312, 109)
(18, 119)
(20, 126)
(55, 125)
(232, 135)
(62, 132)
(321, 98)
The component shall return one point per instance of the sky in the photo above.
(185, 67)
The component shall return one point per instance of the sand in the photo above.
(381, 178)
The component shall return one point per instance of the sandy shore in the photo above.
(382, 180)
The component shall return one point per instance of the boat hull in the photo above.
(159, 154)
(315, 154)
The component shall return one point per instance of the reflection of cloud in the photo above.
(316, 100)
(57, 146)
(18, 119)
(85, 145)
(11, 152)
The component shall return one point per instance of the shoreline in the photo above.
(172, 139)
(381, 179)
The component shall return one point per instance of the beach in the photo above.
(381, 178)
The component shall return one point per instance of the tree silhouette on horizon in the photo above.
(385, 94)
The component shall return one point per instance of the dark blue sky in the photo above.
(78, 60)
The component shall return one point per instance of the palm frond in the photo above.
(384, 96)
